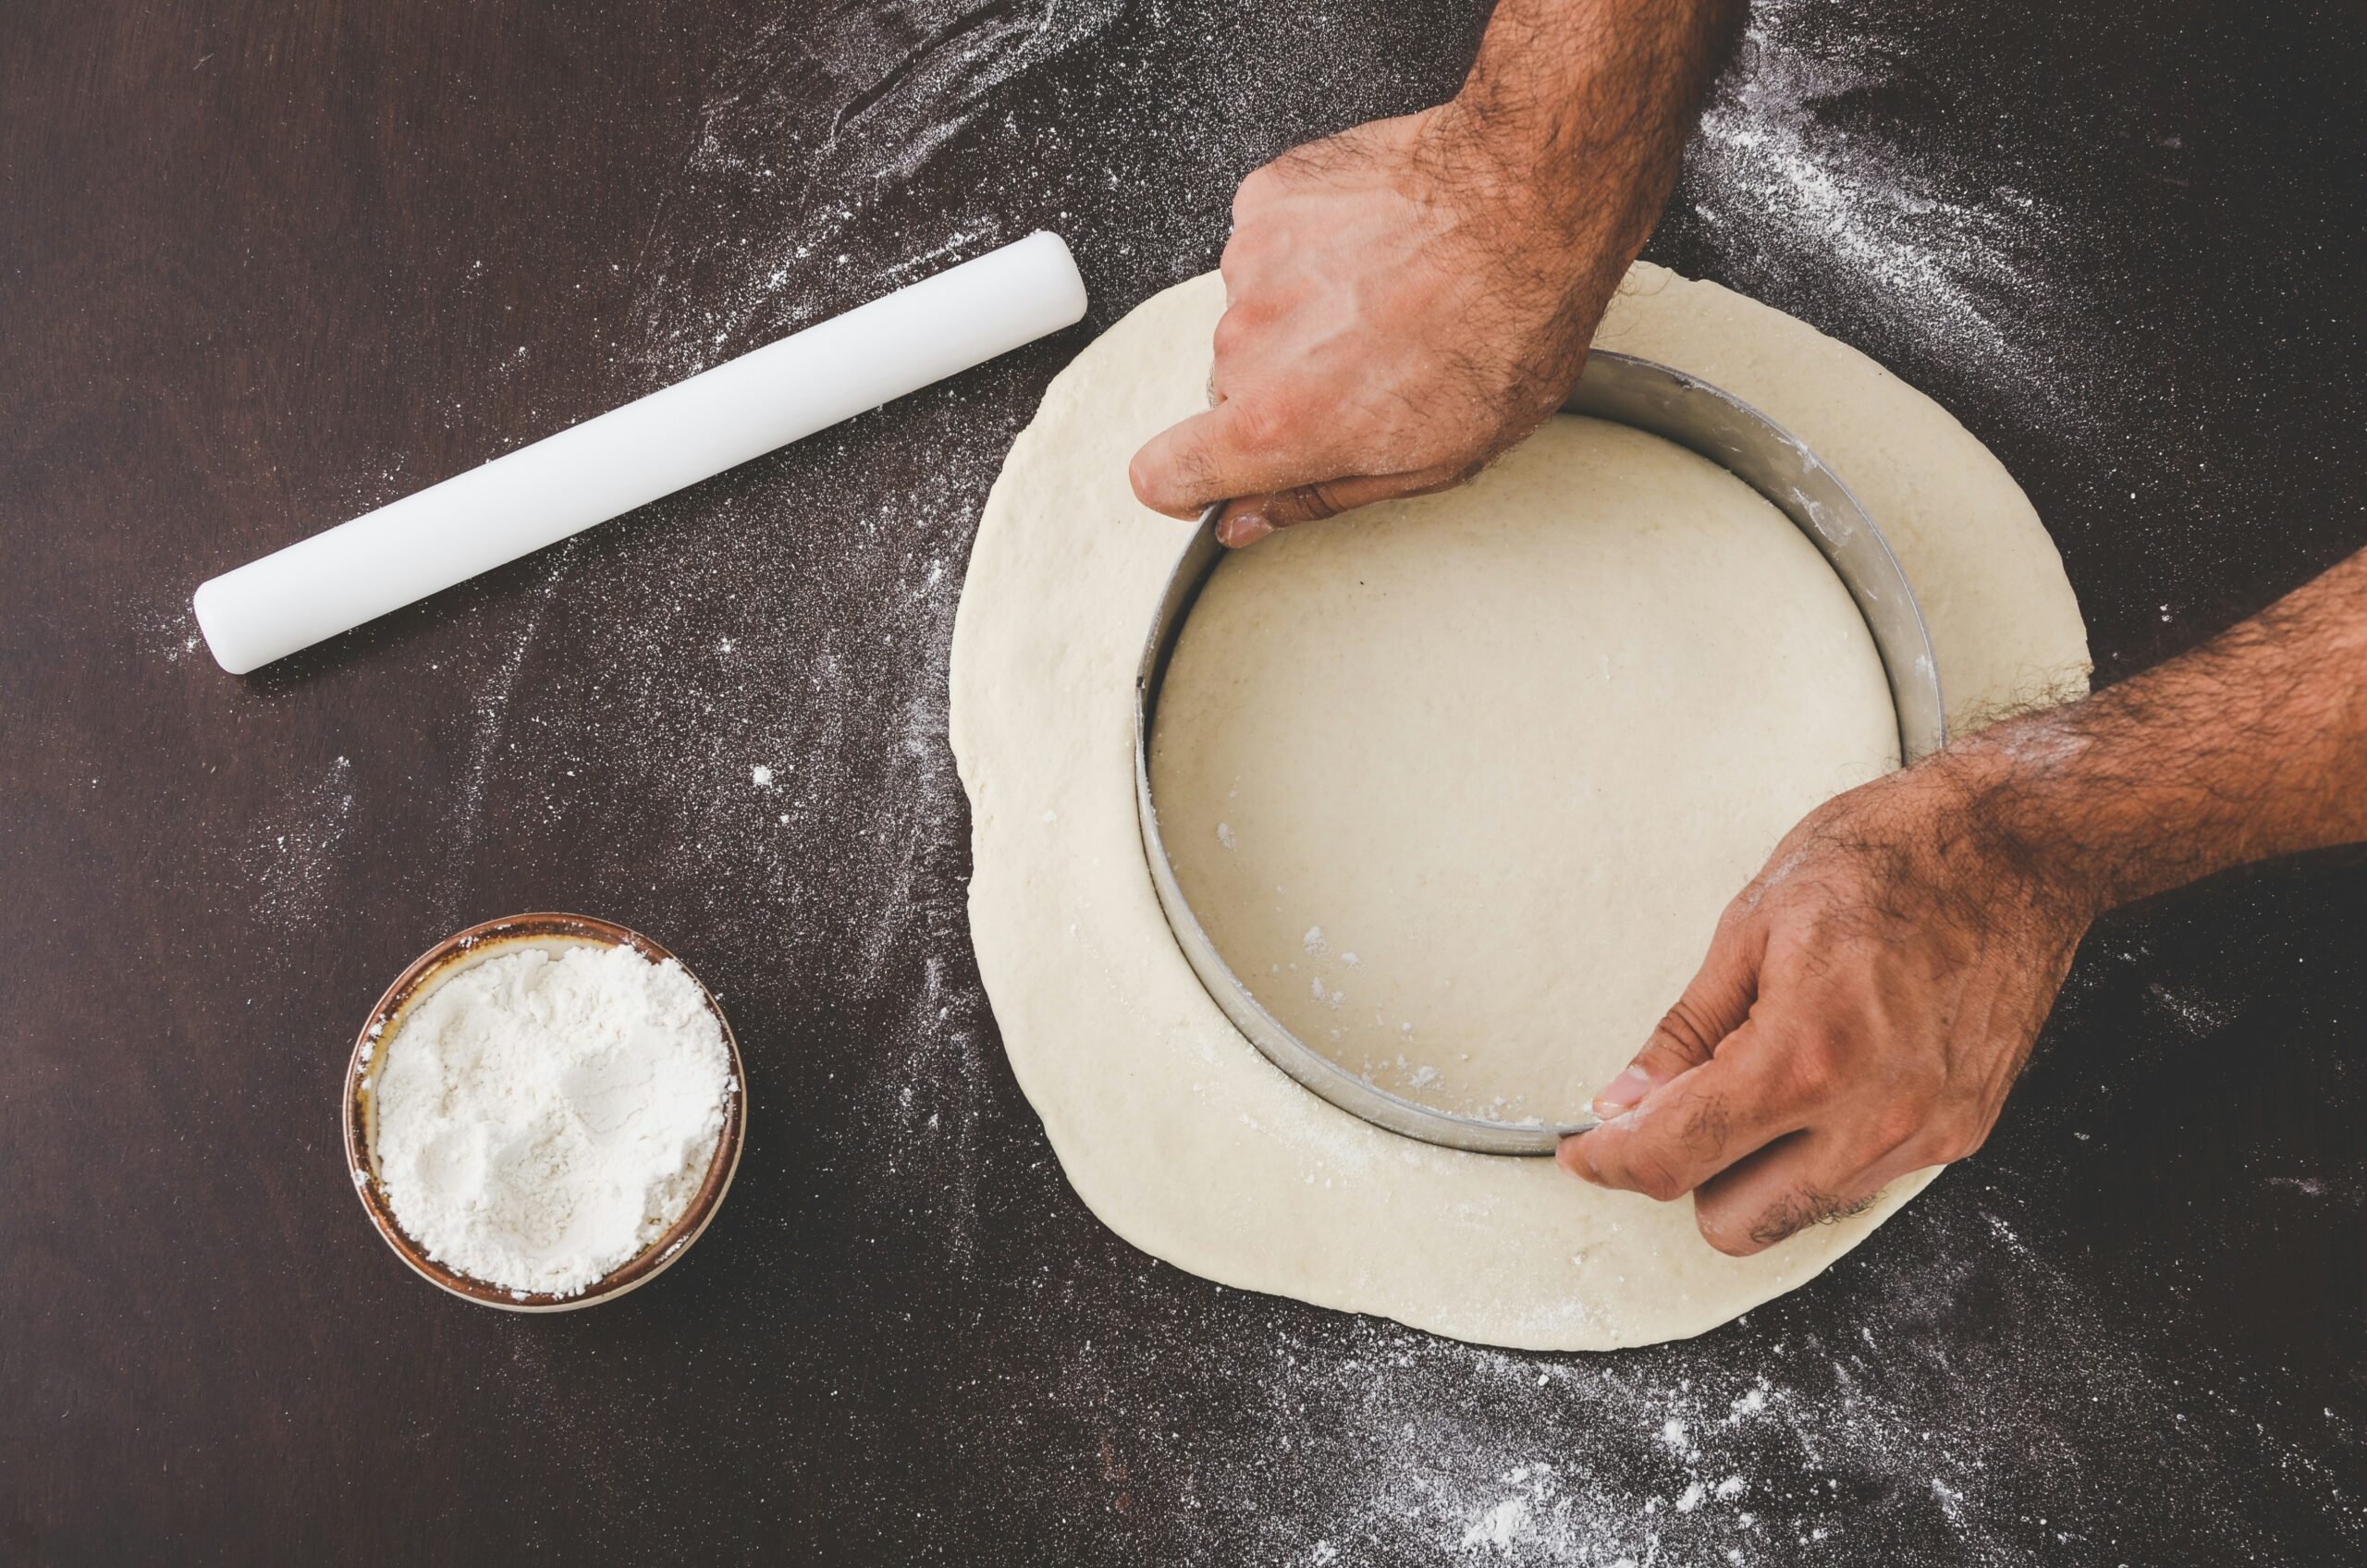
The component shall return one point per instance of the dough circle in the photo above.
(1174, 1130)
(1459, 785)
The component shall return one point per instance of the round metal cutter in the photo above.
(1678, 408)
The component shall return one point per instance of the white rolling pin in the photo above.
(694, 430)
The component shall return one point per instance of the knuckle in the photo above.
(1264, 421)
(1708, 1126)
(1286, 507)
(1312, 503)
(1896, 1124)
(1242, 255)
(1683, 1032)
(1232, 328)
(1254, 191)
(1655, 1175)
(1956, 1139)
(1815, 1068)
(1725, 1231)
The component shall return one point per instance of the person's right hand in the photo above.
(1402, 307)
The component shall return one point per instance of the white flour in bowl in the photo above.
(545, 1114)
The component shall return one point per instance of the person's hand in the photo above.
(1403, 305)
(1865, 1004)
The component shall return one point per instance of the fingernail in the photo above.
(1242, 528)
(1622, 1092)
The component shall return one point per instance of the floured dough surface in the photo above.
(1172, 1128)
(1458, 785)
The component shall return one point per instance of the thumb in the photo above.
(1185, 467)
(1239, 447)
(1714, 1004)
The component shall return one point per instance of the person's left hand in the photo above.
(1865, 1004)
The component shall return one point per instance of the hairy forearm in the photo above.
(1586, 104)
(2251, 746)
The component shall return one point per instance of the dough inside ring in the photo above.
(1458, 786)
(1172, 1128)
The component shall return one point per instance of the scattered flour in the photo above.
(1812, 197)
(296, 859)
(1364, 1442)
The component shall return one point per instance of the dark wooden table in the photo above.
(263, 266)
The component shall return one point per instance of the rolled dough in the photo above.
(1174, 1130)
(1458, 785)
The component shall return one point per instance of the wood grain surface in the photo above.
(263, 266)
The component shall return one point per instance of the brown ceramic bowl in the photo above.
(448, 958)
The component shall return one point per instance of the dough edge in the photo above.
(1176, 1133)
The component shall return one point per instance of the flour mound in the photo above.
(543, 1116)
